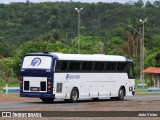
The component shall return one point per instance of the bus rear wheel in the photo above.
(121, 94)
(74, 95)
(47, 100)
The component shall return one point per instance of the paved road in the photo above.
(61, 105)
(143, 98)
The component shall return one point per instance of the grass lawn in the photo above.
(141, 90)
(144, 91)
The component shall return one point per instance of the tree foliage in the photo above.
(6, 71)
(52, 27)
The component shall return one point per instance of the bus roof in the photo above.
(83, 57)
(89, 57)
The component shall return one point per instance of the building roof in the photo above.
(155, 70)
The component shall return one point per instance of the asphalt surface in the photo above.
(61, 105)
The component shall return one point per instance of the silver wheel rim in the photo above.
(74, 95)
(121, 93)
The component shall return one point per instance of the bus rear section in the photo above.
(36, 77)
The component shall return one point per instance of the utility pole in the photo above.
(79, 10)
(142, 53)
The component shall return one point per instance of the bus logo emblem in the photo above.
(67, 76)
(35, 62)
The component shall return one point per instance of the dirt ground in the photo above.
(13, 97)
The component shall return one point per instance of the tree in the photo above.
(52, 26)
(6, 49)
(157, 58)
(153, 58)
(149, 4)
(6, 71)
(156, 3)
(89, 45)
(139, 3)
(115, 44)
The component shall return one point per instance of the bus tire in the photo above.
(47, 100)
(121, 94)
(74, 95)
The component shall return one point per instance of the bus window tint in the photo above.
(74, 66)
(87, 66)
(111, 66)
(99, 66)
(130, 71)
(58, 65)
(61, 65)
(121, 67)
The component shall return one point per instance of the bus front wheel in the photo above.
(121, 94)
(47, 100)
(74, 95)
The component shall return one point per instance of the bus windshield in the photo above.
(37, 62)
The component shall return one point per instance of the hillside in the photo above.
(52, 26)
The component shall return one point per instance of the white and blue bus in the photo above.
(50, 76)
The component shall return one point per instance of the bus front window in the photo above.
(130, 71)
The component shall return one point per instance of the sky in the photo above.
(90, 1)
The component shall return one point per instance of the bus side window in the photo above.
(58, 65)
(111, 66)
(87, 66)
(130, 71)
(99, 66)
(121, 67)
(74, 66)
(61, 65)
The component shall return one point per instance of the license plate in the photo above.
(34, 89)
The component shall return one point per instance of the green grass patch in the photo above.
(12, 83)
(141, 90)
(144, 91)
